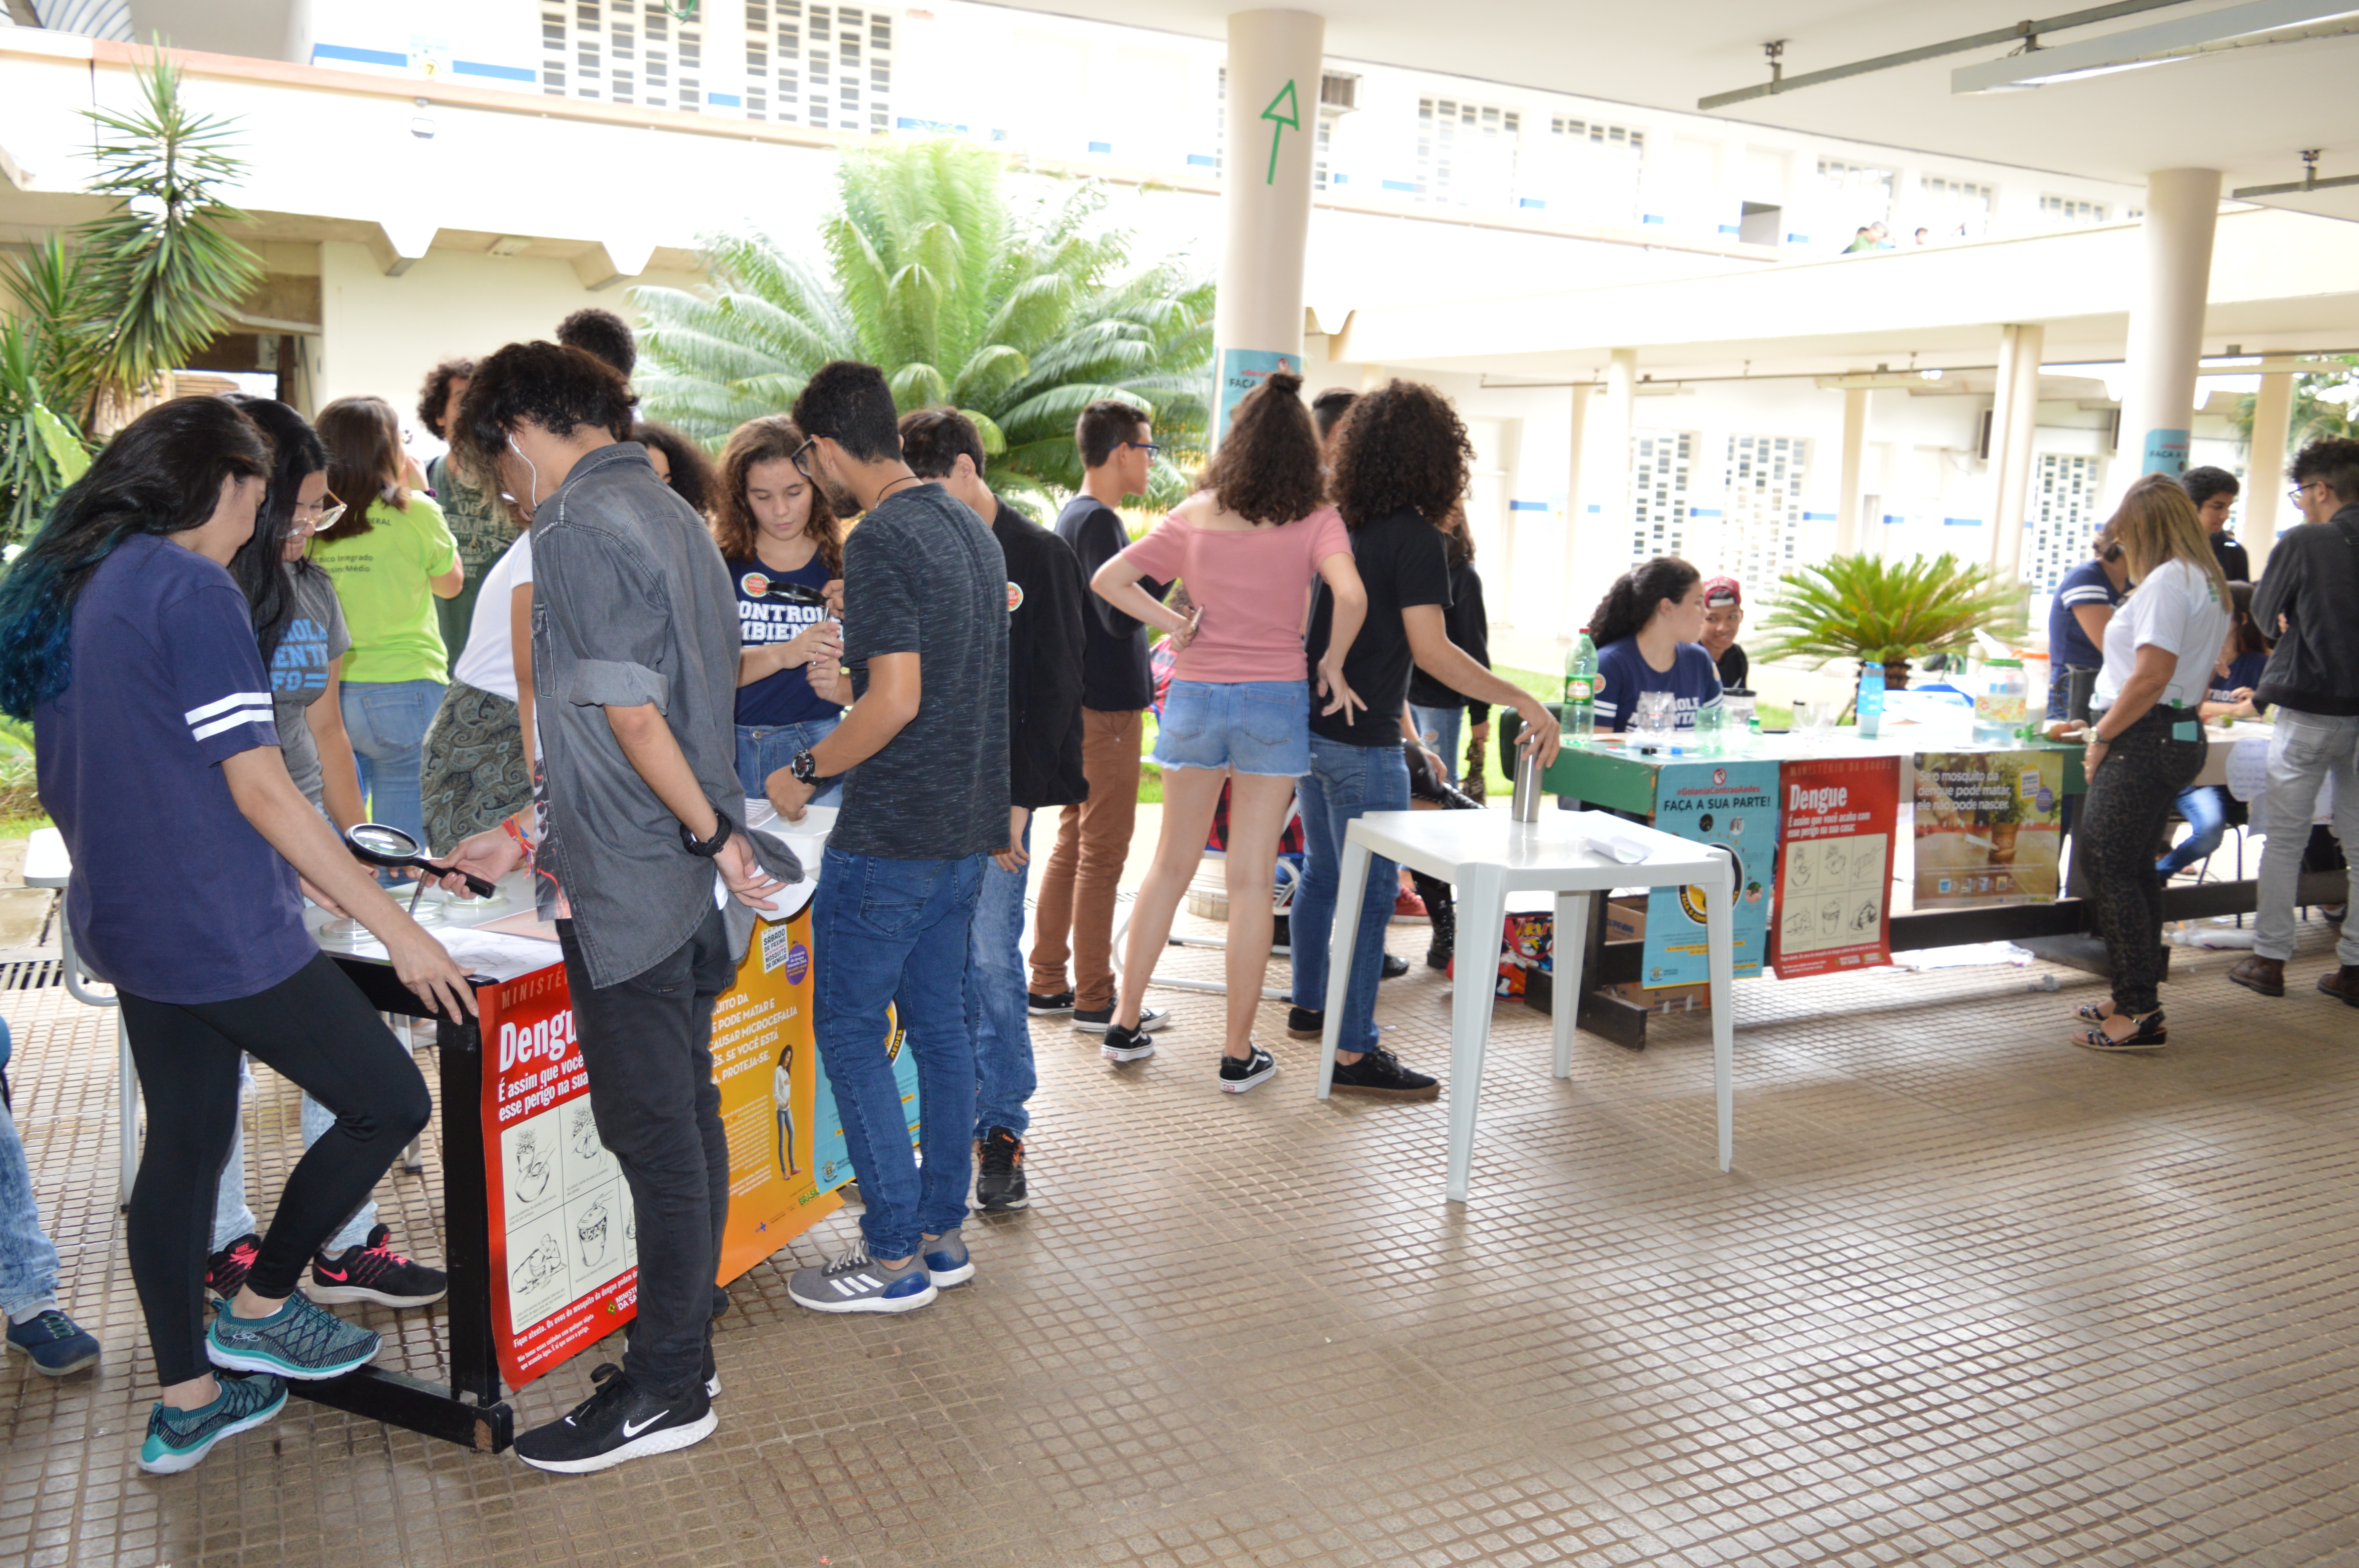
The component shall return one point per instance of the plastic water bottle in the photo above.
(1580, 689)
(1871, 699)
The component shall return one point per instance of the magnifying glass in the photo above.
(391, 848)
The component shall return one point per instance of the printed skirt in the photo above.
(473, 775)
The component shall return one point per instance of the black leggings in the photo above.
(315, 1028)
(2121, 823)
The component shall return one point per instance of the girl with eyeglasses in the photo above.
(299, 626)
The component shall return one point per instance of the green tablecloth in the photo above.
(1610, 772)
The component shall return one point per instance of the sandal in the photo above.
(2094, 1011)
(2150, 1033)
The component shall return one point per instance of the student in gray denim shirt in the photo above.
(635, 670)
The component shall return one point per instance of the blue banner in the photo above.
(1240, 370)
(1734, 804)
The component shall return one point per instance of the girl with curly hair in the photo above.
(1400, 467)
(774, 526)
(1249, 544)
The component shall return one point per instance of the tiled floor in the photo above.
(1969, 1296)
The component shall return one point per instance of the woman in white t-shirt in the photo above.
(2146, 744)
(478, 767)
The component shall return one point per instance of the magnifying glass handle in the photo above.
(475, 884)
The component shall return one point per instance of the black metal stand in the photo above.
(474, 1412)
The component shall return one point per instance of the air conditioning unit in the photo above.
(1337, 92)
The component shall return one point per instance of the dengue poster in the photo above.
(564, 1236)
(772, 1108)
(1989, 827)
(1834, 864)
(1734, 804)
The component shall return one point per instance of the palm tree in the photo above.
(1017, 307)
(2325, 402)
(132, 295)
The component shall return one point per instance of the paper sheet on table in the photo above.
(495, 954)
(528, 923)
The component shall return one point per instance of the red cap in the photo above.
(1722, 591)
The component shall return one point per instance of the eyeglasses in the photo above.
(1150, 448)
(2298, 492)
(796, 457)
(326, 515)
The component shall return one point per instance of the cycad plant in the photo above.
(1889, 612)
(1013, 305)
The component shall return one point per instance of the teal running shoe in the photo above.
(301, 1340)
(177, 1439)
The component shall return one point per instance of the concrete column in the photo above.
(2265, 470)
(1850, 527)
(1273, 116)
(2166, 337)
(1577, 426)
(2012, 422)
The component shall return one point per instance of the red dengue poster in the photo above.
(564, 1243)
(1835, 867)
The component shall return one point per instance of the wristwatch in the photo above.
(706, 849)
(805, 767)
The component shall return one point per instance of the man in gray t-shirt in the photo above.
(925, 604)
(302, 671)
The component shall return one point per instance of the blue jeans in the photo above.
(1344, 782)
(29, 1259)
(1446, 725)
(1003, 1078)
(387, 722)
(764, 749)
(232, 1216)
(896, 931)
(2207, 821)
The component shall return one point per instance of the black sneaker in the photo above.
(1380, 1074)
(618, 1423)
(1237, 1077)
(1097, 1019)
(1394, 968)
(1305, 1023)
(1127, 1044)
(999, 1172)
(1047, 1006)
(375, 1272)
(226, 1269)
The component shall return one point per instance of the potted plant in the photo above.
(1890, 611)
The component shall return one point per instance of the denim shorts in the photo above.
(1248, 727)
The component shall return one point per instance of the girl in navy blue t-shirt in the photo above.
(1650, 635)
(124, 638)
(774, 526)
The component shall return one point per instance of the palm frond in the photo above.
(1011, 297)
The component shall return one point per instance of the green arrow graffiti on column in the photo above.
(1293, 116)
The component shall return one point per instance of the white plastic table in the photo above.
(1489, 855)
(48, 865)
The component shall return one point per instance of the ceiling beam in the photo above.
(2021, 32)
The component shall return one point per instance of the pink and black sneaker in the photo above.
(375, 1273)
(226, 1269)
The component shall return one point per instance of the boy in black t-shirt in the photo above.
(1078, 885)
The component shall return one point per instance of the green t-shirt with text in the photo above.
(382, 581)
